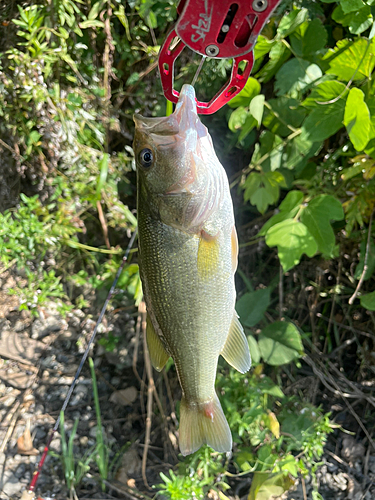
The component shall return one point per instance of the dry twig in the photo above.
(150, 390)
(365, 266)
(103, 223)
(14, 417)
(337, 390)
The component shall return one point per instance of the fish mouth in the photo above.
(184, 117)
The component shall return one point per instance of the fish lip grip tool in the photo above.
(217, 29)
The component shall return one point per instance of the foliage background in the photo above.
(299, 148)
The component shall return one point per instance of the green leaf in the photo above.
(103, 169)
(291, 21)
(298, 151)
(289, 463)
(91, 24)
(263, 189)
(288, 209)
(269, 153)
(294, 76)
(351, 60)
(262, 198)
(94, 12)
(252, 183)
(284, 111)
(327, 102)
(351, 5)
(357, 119)
(247, 127)
(280, 343)
(262, 47)
(33, 138)
(251, 89)
(324, 121)
(278, 55)
(292, 239)
(310, 37)
(291, 202)
(121, 16)
(237, 118)
(316, 217)
(370, 260)
(152, 20)
(368, 301)
(252, 306)
(351, 172)
(358, 21)
(254, 350)
(324, 92)
(256, 108)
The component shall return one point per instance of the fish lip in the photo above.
(179, 123)
(187, 99)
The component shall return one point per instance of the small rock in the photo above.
(124, 397)
(55, 445)
(79, 395)
(20, 326)
(40, 433)
(2, 458)
(94, 430)
(83, 440)
(41, 329)
(79, 313)
(351, 450)
(20, 472)
(10, 484)
(371, 464)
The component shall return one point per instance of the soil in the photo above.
(39, 357)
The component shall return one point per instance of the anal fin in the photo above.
(236, 349)
(158, 354)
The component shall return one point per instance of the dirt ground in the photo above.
(38, 360)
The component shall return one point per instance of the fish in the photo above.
(188, 252)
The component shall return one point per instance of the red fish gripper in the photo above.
(217, 29)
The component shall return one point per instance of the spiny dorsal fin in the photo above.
(236, 349)
(158, 354)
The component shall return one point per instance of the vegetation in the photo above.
(298, 144)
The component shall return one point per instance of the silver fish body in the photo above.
(188, 257)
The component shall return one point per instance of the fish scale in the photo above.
(188, 257)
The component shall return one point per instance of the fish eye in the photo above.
(146, 158)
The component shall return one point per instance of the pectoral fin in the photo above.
(158, 354)
(236, 349)
(208, 255)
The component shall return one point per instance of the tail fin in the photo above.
(203, 424)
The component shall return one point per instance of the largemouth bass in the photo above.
(188, 256)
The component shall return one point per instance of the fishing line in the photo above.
(29, 493)
(198, 71)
